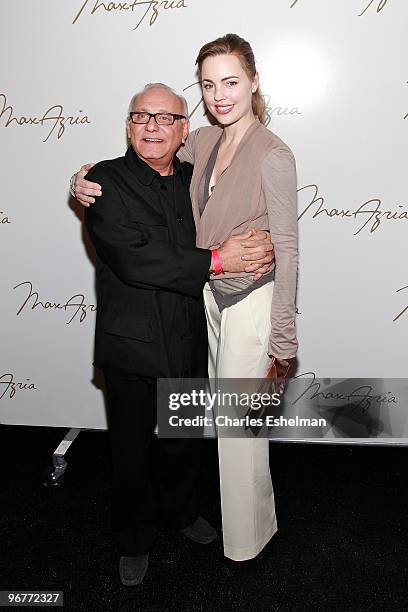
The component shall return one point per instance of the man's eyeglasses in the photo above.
(160, 118)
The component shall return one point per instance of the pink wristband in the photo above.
(216, 262)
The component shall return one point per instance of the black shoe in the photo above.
(132, 570)
(200, 531)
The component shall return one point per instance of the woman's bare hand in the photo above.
(84, 191)
(257, 238)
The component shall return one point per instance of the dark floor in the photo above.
(342, 542)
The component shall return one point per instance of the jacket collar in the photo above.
(146, 173)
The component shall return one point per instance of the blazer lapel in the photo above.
(200, 164)
(247, 135)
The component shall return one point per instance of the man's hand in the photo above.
(247, 252)
(84, 191)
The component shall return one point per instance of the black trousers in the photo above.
(141, 496)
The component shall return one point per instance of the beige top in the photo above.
(257, 190)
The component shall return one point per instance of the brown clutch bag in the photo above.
(274, 382)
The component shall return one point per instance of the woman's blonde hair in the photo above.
(235, 45)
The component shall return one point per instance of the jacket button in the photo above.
(179, 219)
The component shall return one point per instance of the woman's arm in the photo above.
(280, 189)
(84, 191)
(186, 152)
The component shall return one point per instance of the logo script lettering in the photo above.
(4, 220)
(8, 386)
(75, 304)
(151, 13)
(379, 4)
(270, 110)
(360, 397)
(369, 210)
(404, 310)
(53, 117)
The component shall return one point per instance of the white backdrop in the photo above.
(335, 75)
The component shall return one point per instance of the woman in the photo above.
(244, 177)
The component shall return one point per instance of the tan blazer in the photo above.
(258, 190)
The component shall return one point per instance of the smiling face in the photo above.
(227, 89)
(157, 144)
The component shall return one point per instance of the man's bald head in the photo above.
(182, 100)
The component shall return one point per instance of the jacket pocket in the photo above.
(150, 223)
(129, 325)
(153, 232)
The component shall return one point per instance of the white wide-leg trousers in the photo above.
(238, 341)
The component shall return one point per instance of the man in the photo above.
(150, 319)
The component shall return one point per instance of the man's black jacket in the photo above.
(149, 274)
